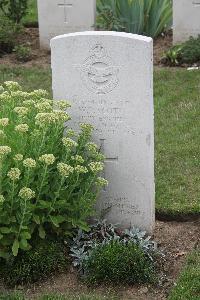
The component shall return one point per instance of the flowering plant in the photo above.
(49, 174)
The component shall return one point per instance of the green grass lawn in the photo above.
(188, 285)
(177, 132)
(17, 296)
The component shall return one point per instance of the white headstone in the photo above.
(64, 16)
(186, 19)
(108, 78)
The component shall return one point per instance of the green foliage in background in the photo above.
(47, 181)
(118, 262)
(45, 258)
(8, 35)
(147, 17)
(15, 10)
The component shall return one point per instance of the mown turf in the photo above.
(188, 285)
(20, 296)
(177, 141)
(177, 133)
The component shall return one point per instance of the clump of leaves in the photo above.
(23, 53)
(49, 174)
(44, 259)
(186, 53)
(102, 233)
(173, 56)
(119, 262)
(8, 34)
(15, 10)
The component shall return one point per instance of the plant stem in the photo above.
(42, 182)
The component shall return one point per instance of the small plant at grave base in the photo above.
(23, 53)
(44, 259)
(47, 182)
(102, 234)
(14, 10)
(186, 53)
(172, 56)
(119, 262)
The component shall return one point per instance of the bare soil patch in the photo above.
(41, 58)
(176, 240)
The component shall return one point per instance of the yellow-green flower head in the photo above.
(92, 147)
(64, 169)
(99, 156)
(22, 111)
(45, 119)
(18, 157)
(69, 143)
(22, 128)
(4, 150)
(48, 159)
(44, 107)
(2, 199)
(63, 105)
(71, 133)
(101, 181)
(86, 127)
(20, 95)
(26, 193)
(4, 122)
(29, 103)
(78, 158)
(80, 169)
(5, 97)
(14, 174)
(29, 163)
(39, 93)
(12, 86)
(62, 116)
(96, 166)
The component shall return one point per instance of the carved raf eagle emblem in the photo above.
(98, 72)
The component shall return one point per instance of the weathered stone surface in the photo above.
(108, 78)
(64, 16)
(186, 20)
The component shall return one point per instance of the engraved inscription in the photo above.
(98, 72)
(196, 2)
(65, 5)
(122, 205)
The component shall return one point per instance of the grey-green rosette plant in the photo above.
(49, 174)
(102, 233)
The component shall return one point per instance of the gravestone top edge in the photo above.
(104, 33)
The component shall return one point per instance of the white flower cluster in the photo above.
(48, 159)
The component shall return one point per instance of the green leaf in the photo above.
(25, 235)
(15, 247)
(56, 220)
(23, 244)
(42, 233)
(36, 219)
(1, 236)
(5, 230)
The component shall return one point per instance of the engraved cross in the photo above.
(66, 5)
(107, 159)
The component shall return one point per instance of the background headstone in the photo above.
(108, 78)
(186, 20)
(64, 16)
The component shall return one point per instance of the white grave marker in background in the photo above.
(64, 16)
(108, 78)
(186, 20)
